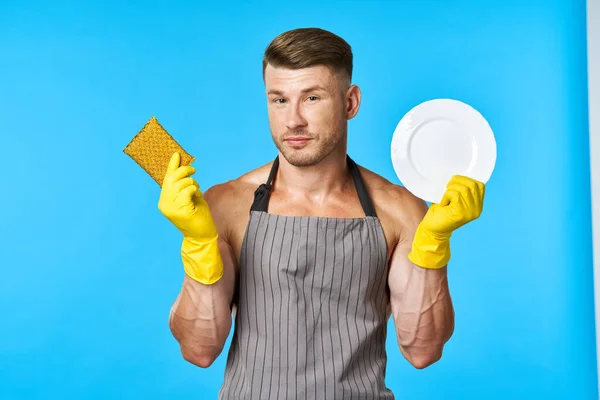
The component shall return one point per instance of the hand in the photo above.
(462, 203)
(182, 203)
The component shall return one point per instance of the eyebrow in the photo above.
(313, 88)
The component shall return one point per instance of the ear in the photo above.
(352, 101)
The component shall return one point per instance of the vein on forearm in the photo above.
(422, 314)
(199, 317)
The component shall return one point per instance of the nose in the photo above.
(294, 117)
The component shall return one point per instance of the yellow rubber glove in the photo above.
(182, 203)
(462, 203)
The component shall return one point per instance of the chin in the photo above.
(298, 159)
(304, 157)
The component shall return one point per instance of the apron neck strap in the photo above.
(363, 194)
(263, 192)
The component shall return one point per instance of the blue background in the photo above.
(90, 267)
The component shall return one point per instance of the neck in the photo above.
(317, 181)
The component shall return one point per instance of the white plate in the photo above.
(438, 139)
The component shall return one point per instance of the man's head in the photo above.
(308, 74)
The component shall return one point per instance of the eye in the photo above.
(313, 98)
(278, 101)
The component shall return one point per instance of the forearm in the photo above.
(200, 319)
(424, 315)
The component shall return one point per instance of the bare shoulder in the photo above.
(230, 201)
(396, 207)
(236, 192)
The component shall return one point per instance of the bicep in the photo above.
(399, 273)
(216, 198)
(229, 269)
(400, 267)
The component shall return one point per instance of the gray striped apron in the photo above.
(312, 302)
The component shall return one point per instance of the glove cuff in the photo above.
(430, 250)
(202, 260)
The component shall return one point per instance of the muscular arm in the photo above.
(420, 299)
(200, 317)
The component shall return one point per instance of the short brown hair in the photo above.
(307, 47)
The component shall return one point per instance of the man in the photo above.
(312, 251)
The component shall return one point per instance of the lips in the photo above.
(297, 140)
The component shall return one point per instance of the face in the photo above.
(308, 112)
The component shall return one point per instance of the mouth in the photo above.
(297, 141)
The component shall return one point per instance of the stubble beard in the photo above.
(316, 152)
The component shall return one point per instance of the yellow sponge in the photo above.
(152, 149)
